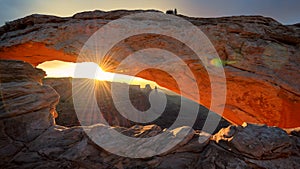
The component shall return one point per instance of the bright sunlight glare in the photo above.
(89, 70)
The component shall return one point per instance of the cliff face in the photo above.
(30, 139)
(262, 83)
(23, 97)
(26, 106)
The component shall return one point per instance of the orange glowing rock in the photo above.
(262, 75)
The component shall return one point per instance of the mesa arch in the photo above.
(262, 85)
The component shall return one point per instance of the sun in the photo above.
(89, 70)
(104, 76)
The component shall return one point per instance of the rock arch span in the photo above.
(263, 84)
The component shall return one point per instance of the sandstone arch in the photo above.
(263, 85)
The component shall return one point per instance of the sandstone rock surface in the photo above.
(31, 140)
(25, 102)
(262, 77)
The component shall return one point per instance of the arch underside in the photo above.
(262, 80)
(249, 99)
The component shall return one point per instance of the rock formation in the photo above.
(262, 79)
(30, 139)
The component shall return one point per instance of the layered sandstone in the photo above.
(262, 77)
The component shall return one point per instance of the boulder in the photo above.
(251, 146)
(255, 141)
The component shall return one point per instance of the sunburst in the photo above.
(104, 76)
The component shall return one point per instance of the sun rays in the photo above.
(90, 70)
(104, 76)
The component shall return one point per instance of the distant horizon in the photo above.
(61, 69)
(147, 10)
(285, 12)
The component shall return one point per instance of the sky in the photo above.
(285, 11)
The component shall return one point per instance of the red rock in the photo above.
(262, 84)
